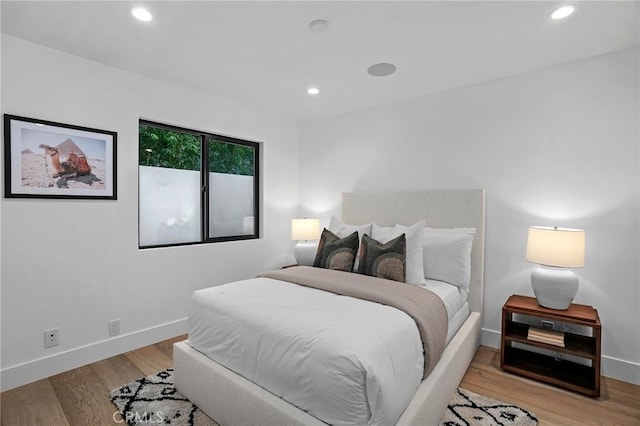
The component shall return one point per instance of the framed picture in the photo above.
(44, 159)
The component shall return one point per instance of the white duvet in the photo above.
(343, 360)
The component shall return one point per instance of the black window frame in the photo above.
(205, 138)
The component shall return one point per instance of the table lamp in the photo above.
(555, 248)
(306, 232)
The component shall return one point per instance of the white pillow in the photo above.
(413, 233)
(343, 230)
(447, 255)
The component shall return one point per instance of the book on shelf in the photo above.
(550, 337)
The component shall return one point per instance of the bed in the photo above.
(230, 399)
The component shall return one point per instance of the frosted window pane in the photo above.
(231, 210)
(169, 206)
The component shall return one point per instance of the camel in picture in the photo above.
(67, 160)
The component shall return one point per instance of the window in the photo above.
(195, 187)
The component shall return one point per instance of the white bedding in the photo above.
(343, 360)
(455, 301)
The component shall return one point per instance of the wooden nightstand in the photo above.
(522, 359)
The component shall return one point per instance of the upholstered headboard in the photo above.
(438, 208)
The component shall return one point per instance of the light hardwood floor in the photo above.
(618, 404)
(81, 396)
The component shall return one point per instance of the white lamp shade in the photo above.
(305, 229)
(552, 246)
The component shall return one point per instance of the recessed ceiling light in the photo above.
(382, 69)
(562, 12)
(319, 26)
(313, 91)
(141, 14)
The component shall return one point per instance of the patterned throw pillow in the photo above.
(388, 260)
(335, 252)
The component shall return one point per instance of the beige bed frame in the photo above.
(232, 400)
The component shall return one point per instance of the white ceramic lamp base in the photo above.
(554, 288)
(305, 252)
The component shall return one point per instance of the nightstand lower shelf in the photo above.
(567, 374)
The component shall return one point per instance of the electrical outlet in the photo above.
(51, 338)
(114, 327)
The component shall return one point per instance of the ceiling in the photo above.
(263, 53)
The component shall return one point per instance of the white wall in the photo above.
(559, 146)
(74, 264)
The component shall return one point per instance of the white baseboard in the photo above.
(30, 371)
(614, 368)
(490, 338)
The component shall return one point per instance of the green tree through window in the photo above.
(167, 148)
(176, 150)
(230, 158)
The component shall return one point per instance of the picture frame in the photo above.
(46, 159)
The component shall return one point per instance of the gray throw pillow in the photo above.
(335, 252)
(388, 260)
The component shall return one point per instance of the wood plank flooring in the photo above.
(618, 404)
(81, 396)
